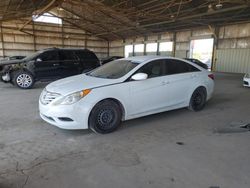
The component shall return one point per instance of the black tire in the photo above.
(23, 79)
(198, 99)
(105, 117)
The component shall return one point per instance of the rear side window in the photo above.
(67, 55)
(84, 55)
(177, 67)
(88, 58)
(80, 54)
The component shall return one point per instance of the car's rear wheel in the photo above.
(23, 79)
(198, 99)
(105, 117)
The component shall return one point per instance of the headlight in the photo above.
(74, 97)
(247, 75)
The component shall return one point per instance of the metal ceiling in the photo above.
(119, 19)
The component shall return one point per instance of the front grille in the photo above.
(246, 83)
(47, 97)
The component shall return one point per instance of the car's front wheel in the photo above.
(198, 99)
(105, 117)
(23, 79)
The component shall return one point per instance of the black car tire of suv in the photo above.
(23, 79)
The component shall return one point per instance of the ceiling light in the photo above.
(219, 5)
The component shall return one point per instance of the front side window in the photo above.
(49, 56)
(152, 69)
(115, 69)
(33, 56)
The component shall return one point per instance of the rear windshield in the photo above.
(113, 70)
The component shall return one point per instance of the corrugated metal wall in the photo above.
(232, 54)
(233, 60)
(15, 42)
(180, 53)
(233, 50)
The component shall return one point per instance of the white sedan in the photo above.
(246, 80)
(125, 89)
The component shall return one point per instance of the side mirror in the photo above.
(38, 60)
(139, 76)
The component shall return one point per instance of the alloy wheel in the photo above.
(24, 80)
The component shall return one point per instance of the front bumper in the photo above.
(5, 77)
(246, 82)
(70, 117)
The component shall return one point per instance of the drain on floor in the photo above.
(180, 143)
(234, 127)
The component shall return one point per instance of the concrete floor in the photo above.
(142, 153)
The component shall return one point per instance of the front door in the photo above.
(47, 65)
(148, 95)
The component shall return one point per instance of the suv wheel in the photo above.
(105, 117)
(23, 79)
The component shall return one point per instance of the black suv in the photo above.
(46, 65)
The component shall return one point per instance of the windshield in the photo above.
(114, 69)
(33, 56)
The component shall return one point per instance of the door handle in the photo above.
(56, 64)
(76, 63)
(193, 76)
(165, 82)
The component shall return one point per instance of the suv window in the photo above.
(80, 54)
(153, 69)
(49, 55)
(176, 67)
(84, 55)
(67, 55)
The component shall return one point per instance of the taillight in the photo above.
(211, 76)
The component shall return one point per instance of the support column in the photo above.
(158, 45)
(34, 36)
(215, 47)
(62, 35)
(108, 48)
(86, 41)
(2, 40)
(174, 45)
(145, 44)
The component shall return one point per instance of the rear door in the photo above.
(180, 78)
(47, 65)
(70, 64)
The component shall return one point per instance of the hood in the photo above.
(9, 62)
(77, 83)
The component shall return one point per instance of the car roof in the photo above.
(74, 49)
(141, 59)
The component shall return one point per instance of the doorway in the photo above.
(202, 49)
